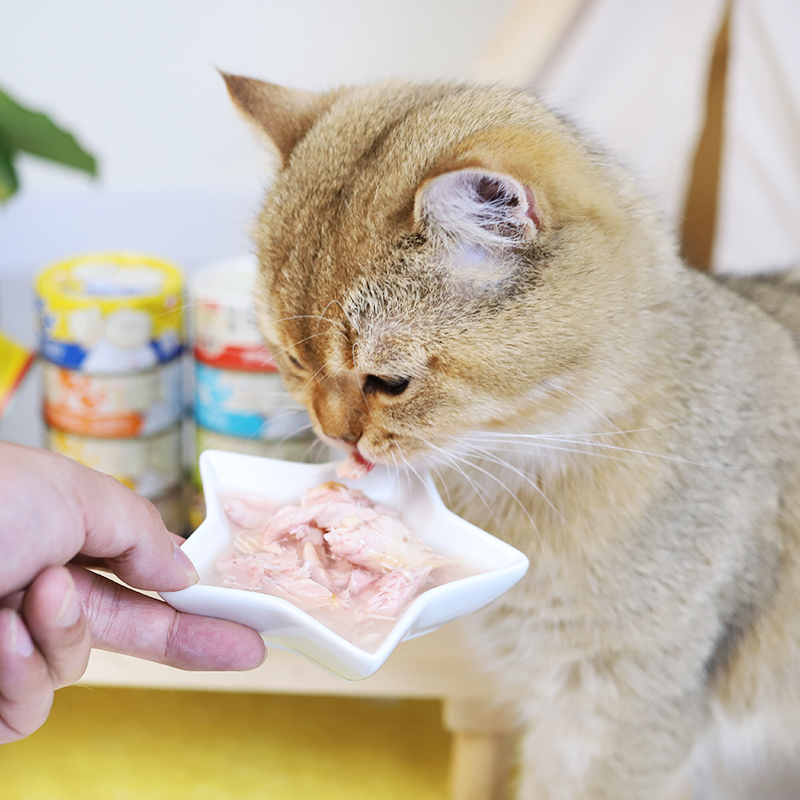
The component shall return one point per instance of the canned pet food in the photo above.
(15, 361)
(110, 313)
(118, 406)
(247, 404)
(151, 465)
(224, 323)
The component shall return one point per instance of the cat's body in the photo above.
(451, 276)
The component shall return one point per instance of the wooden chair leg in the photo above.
(481, 750)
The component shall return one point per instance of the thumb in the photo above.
(130, 536)
(53, 509)
(126, 531)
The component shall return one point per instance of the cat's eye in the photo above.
(294, 362)
(385, 384)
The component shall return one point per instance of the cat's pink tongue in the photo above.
(354, 467)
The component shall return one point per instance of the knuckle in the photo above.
(175, 642)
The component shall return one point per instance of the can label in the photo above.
(118, 406)
(247, 404)
(150, 466)
(15, 361)
(110, 313)
(224, 320)
(241, 358)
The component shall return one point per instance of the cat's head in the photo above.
(439, 259)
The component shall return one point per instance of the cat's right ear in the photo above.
(478, 208)
(282, 115)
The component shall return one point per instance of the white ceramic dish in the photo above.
(283, 625)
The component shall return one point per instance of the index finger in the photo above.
(125, 621)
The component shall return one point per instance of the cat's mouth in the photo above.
(355, 466)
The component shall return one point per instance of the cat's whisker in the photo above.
(295, 433)
(448, 460)
(322, 316)
(316, 444)
(542, 440)
(410, 468)
(318, 317)
(555, 434)
(311, 379)
(503, 486)
(527, 446)
(395, 465)
(300, 341)
(587, 404)
(443, 483)
(491, 456)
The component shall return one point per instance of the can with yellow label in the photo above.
(110, 312)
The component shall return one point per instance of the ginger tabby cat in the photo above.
(452, 278)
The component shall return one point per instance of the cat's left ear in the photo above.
(284, 115)
(479, 208)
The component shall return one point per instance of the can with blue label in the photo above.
(253, 405)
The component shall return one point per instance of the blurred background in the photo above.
(179, 172)
(701, 99)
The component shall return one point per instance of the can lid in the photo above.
(227, 283)
(109, 279)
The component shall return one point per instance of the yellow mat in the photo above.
(133, 744)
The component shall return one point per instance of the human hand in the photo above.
(54, 511)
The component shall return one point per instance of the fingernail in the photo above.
(184, 562)
(21, 641)
(70, 611)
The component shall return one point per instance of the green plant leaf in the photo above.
(35, 133)
(8, 175)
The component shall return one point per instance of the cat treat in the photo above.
(338, 555)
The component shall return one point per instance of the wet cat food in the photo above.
(338, 555)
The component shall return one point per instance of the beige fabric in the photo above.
(759, 207)
(634, 74)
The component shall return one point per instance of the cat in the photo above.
(452, 277)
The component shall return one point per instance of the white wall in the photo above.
(180, 174)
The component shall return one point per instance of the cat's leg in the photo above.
(606, 742)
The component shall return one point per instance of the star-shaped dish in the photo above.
(497, 565)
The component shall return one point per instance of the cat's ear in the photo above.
(478, 208)
(283, 115)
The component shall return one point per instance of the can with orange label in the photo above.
(114, 406)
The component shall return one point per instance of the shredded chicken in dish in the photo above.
(337, 550)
